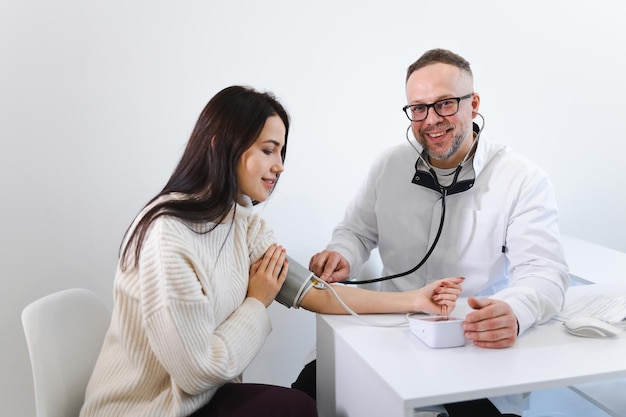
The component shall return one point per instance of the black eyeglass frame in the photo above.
(432, 105)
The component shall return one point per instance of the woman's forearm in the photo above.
(360, 300)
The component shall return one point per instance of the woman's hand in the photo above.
(438, 297)
(268, 274)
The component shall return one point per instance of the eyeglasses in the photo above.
(444, 108)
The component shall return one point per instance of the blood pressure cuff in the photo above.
(297, 284)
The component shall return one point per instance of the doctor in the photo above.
(500, 231)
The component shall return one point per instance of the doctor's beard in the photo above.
(457, 141)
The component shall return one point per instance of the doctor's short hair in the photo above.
(440, 56)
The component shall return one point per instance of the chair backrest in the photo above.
(64, 334)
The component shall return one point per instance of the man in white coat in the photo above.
(500, 229)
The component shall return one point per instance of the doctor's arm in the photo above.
(538, 276)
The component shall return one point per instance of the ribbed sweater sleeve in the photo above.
(182, 325)
(199, 343)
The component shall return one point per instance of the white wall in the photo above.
(97, 99)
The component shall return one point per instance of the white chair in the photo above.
(64, 333)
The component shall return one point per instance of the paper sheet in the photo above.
(605, 307)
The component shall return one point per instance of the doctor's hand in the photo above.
(492, 325)
(329, 266)
(268, 274)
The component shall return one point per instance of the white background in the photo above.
(97, 99)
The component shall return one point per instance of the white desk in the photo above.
(386, 371)
(592, 263)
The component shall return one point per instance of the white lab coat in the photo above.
(502, 234)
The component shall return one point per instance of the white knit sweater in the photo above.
(182, 325)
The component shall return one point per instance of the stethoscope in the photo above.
(429, 179)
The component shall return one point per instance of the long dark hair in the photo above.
(206, 176)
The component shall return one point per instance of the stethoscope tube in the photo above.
(420, 263)
(444, 193)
